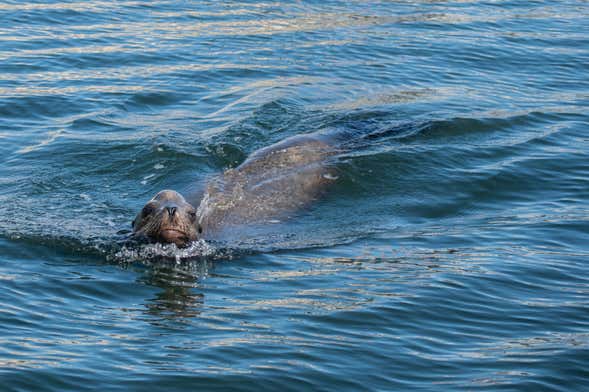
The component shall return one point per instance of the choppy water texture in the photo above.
(452, 252)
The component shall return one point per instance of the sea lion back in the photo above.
(273, 183)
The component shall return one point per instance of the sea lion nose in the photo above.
(171, 210)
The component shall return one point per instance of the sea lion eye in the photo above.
(148, 209)
(192, 215)
(199, 229)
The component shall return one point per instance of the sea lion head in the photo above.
(167, 218)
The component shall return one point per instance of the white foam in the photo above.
(148, 252)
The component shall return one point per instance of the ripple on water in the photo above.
(450, 253)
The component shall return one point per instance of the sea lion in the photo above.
(167, 218)
(271, 184)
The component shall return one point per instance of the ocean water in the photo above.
(452, 252)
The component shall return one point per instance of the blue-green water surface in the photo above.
(452, 252)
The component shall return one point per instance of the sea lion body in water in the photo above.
(272, 183)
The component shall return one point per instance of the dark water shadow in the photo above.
(179, 298)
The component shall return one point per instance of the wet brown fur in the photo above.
(271, 184)
(167, 217)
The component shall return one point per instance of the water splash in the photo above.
(149, 253)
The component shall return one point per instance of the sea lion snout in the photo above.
(174, 237)
(171, 210)
(167, 218)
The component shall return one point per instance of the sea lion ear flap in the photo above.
(133, 223)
